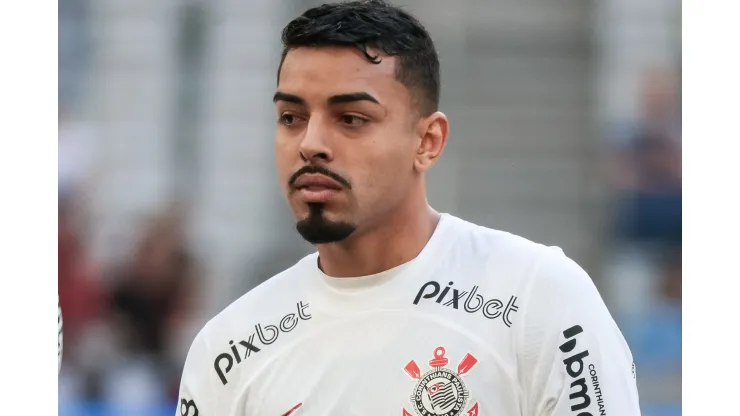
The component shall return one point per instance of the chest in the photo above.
(394, 361)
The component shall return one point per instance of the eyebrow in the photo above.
(290, 98)
(351, 98)
(333, 100)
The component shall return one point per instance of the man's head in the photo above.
(357, 99)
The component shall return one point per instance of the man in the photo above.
(403, 311)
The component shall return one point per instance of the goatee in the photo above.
(316, 229)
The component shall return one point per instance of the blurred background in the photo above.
(566, 129)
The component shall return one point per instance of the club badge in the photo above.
(441, 391)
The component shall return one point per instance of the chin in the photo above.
(303, 210)
(321, 227)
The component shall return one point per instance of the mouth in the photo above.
(316, 187)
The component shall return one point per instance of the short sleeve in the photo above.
(573, 359)
(197, 389)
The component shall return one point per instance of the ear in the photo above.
(433, 131)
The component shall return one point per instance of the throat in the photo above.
(380, 249)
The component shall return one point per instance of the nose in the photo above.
(315, 145)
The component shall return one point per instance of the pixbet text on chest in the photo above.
(266, 334)
(468, 300)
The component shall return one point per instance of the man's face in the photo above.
(346, 140)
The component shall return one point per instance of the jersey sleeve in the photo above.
(573, 358)
(197, 386)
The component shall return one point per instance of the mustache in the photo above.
(320, 170)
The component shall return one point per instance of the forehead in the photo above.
(317, 72)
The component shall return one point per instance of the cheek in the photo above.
(383, 177)
(284, 159)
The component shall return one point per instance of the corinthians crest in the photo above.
(441, 391)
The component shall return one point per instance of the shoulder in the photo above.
(557, 281)
(516, 257)
(561, 298)
(249, 325)
(481, 238)
(501, 253)
(543, 277)
(271, 295)
(500, 264)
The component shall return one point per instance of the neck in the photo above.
(395, 241)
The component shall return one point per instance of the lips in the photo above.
(317, 182)
(316, 188)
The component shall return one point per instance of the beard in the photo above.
(316, 229)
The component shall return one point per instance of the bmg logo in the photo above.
(188, 408)
(574, 366)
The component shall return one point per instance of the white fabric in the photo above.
(481, 322)
(60, 335)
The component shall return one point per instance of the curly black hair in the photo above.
(373, 24)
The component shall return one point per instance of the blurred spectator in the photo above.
(152, 299)
(655, 340)
(80, 293)
(125, 338)
(655, 337)
(645, 279)
(647, 171)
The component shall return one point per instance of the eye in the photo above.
(352, 120)
(288, 119)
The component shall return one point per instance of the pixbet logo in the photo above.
(265, 334)
(473, 303)
(574, 366)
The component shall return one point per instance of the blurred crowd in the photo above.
(646, 168)
(645, 175)
(127, 326)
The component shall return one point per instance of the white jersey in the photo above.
(481, 323)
